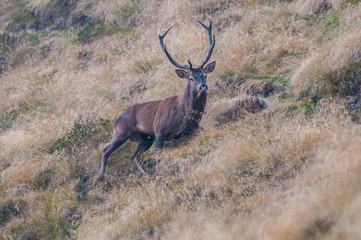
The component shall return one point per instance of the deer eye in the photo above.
(191, 79)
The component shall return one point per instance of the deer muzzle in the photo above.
(202, 87)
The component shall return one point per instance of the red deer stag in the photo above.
(165, 119)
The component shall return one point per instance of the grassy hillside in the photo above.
(278, 156)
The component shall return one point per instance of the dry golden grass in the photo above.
(264, 166)
(316, 206)
(331, 57)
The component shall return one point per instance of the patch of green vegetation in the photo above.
(145, 67)
(329, 25)
(139, 88)
(308, 107)
(82, 132)
(230, 80)
(231, 76)
(331, 19)
(287, 96)
(227, 74)
(45, 48)
(99, 29)
(309, 18)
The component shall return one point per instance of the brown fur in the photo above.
(171, 117)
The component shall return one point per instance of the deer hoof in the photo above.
(96, 180)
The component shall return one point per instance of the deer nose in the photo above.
(203, 87)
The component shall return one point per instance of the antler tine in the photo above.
(212, 41)
(164, 48)
(190, 64)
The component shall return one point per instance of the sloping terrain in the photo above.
(278, 154)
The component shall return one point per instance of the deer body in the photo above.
(169, 118)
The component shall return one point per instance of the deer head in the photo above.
(196, 76)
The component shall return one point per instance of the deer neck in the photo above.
(193, 105)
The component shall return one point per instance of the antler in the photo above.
(164, 48)
(211, 41)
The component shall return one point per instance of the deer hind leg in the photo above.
(116, 142)
(159, 143)
(143, 145)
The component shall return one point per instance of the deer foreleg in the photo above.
(143, 146)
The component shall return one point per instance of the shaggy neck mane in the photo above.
(193, 106)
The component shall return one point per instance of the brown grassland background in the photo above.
(279, 153)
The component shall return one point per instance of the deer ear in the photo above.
(182, 73)
(210, 67)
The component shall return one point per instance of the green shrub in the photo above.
(79, 134)
(308, 107)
